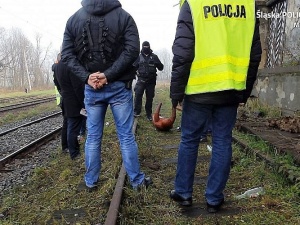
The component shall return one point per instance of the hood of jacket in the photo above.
(100, 7)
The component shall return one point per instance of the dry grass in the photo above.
(158, 151)
(54, 187)
(14, 94)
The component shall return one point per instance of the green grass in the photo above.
(15, 94)
(278, 205)
(285, 163)
(18, 115)
(255, 106)
(54, 187)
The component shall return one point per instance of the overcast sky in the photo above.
(156, 19)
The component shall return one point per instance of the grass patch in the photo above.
(255, 106)
(153, 206)
(54, 187)
(33, 93)
(286, 164)
(279, 205)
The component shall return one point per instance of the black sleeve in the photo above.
(136, 63)
(255, 58)
(183, 53)
(68, 54)
(55, 81)
(130, 50)
(158, 64)
(78, 88)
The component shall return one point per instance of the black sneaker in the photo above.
(82, 187)
(182, 201)
(203, 139)
(149, 118)
(214, 208)
(146, 183)
(136, 115)
(66, 150)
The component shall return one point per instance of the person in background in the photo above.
(72, 92)
(146, 64)
(100, 44)
(64, 138)
(215, 61)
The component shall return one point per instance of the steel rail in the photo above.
(30, 147)
(29, 123)
(24, 104)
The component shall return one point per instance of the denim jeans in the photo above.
(120, 101)
(193, 123)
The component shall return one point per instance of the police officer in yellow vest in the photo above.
(217, 52)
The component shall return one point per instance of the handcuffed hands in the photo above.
(97, 80)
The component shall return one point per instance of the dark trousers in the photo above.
(149, 88)
(74, 125)
(83, 126)
(64, 134)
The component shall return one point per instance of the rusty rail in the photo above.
(112, 214)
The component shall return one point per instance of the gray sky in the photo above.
(156, 19)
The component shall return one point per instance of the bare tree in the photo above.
(166, 58)
(22, 64)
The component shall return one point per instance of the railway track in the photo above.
(115, 203)
(29, 148)
(19, 138)
(29, 123)
(25, 104)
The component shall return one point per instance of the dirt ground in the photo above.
(282, 133)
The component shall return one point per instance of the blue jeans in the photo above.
(96, 102)
(193, 123)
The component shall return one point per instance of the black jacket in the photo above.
(147, 65)
(183, 50)
(71, 89)
(121, 41)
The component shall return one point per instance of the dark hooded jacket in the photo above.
(147, 66)
(183, 51)
(111, 50)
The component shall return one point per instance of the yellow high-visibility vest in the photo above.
(181, 2)
(57, 95)
(223, 39)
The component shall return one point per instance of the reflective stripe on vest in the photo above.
(223, 39)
